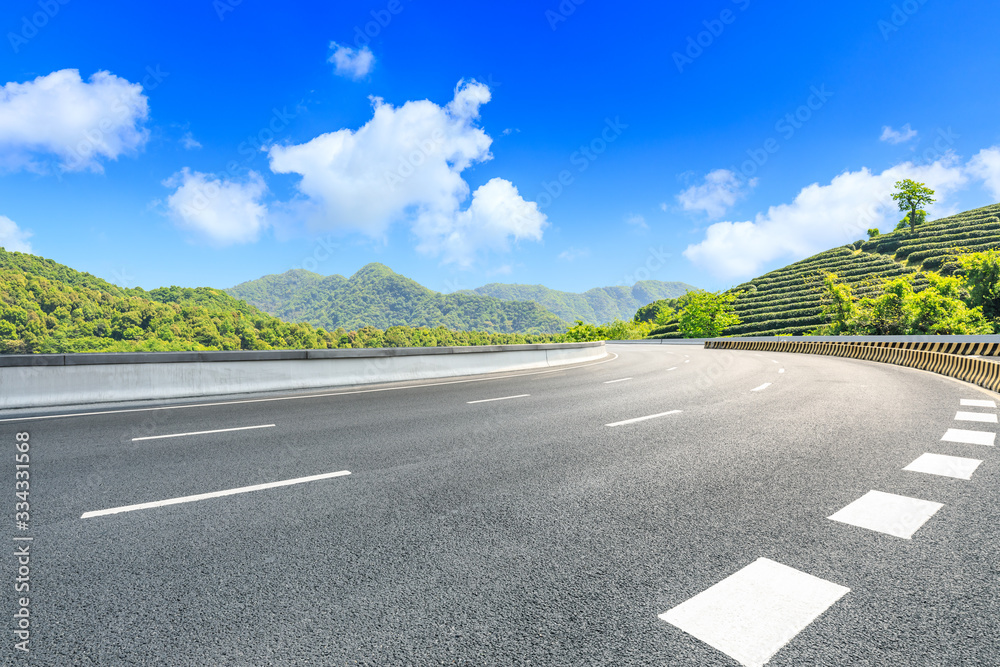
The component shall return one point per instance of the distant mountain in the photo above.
(595, 306)
(379, 297)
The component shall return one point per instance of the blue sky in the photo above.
(208, 143)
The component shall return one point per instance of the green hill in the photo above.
(789, 301)
(376, 296)
(595, 306)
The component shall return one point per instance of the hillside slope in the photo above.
(789, 300)
(377, 296)
(595, 306)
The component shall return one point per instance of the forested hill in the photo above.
(377, 296)
(595, 306)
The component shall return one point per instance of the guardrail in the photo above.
(43, 380)
(982, 372)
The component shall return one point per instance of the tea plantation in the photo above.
(789, 300)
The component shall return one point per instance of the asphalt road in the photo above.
(522, 531)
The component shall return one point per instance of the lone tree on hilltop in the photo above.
(910, 196)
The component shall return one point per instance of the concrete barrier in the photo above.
(73, 379)
(982, 372)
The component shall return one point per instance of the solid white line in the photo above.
(221, 430)
(945, 466)
(613, 381)
(214, 494)
(752, 614)
(888, 513)
(642, 419)
(969, 437)
(762, 387)
(502, 398)
(975, 403)
(985, 417)
(672, 369)
(614, 357)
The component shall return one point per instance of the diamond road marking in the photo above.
(969, 437)
(753, 613)
(946, 466)
(888, 513)
(975, 403)
(985, 417)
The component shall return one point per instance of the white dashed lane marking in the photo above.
(619, 380)
(753, 613)
(985, 417)
(220, 430)
(946, 466)
(672, 369)
(975, 403)
(781, 370)
(502, 398)
(969, 437)
(642, 419)
(762, 387)
(888, 513)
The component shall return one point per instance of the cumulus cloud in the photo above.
(720, 190)
(12, 237)
(899, 136)
(223, 211)
(58, 118)
(985, 165)
(820, 216)
(351, 63)
(636, 221)
(405, 165)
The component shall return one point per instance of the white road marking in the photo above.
(781, 370)
(946, 466)
(214, 494)
(613, 381)
(672, 369)
(687, 361)
(642, 419)
(985, 417)
(614, 357)
(900, 516)
(975, 403)
(969, 437)
(502, 398)
(762, 387)
(773, 361)
(221, 430)
(752, 614)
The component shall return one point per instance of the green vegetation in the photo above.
(378, 297)
(48, 307)
(614, 330)
(945, 306)
(707, 315)
(910, 196)
(601, 304)
(793, 300)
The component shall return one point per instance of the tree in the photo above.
(872, 233)
(981, 271)
(910, 196)
(707, 315)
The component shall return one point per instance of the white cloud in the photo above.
(636, 221)
(985, 165)
(716, 195)
(222, 211)
(60, 118)
(352, 63)
(571, 253)
(12, 237)
(899, 136)
(821, 216)
(405, 165)
(189, 142)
